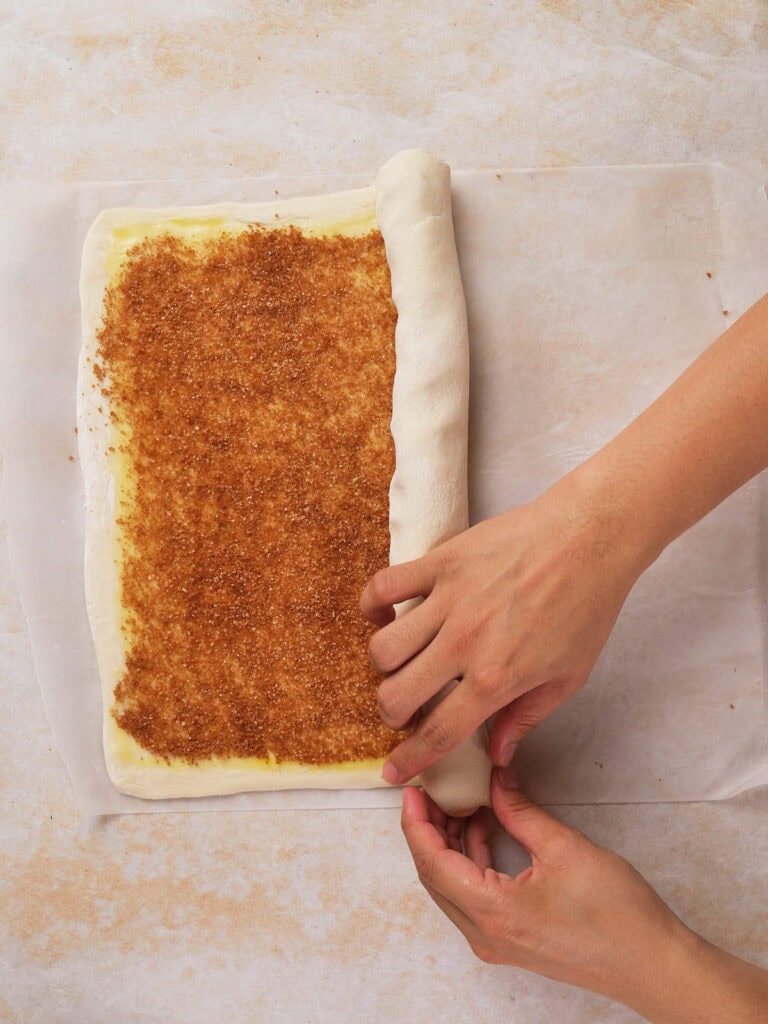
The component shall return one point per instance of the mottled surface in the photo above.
(202, 88)
(305, 916)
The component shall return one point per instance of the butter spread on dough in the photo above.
(428, 495)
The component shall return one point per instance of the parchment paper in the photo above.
(587, 293)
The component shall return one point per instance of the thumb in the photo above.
(525, 713)
(524, 820)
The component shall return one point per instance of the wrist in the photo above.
(624, 531)
(661, 989)
(689, 979)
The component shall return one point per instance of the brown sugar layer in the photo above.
(250, 377)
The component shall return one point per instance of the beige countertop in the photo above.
(183, 918)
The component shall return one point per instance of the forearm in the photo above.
(701, 440)
(698, 983)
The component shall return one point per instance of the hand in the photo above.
(517, 608)
(579, 914)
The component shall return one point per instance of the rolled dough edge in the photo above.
(428, 499)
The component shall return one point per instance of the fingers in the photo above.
(394, 584)
(475, 830)
(522, 715)
(444, 870)
(477, 839)
(450, 829)
(419, 811)
(403, 693)
(438, 732)
(527, 823)
(398, 642)
(463, 922)
(454, 832)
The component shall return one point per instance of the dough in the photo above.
(428, 495)
(132, 768)
(460, 782)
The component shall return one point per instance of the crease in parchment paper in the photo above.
(587, 292)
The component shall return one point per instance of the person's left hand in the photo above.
(579, 914)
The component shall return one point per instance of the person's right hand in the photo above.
(517, 608)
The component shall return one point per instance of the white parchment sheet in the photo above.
(588, 292)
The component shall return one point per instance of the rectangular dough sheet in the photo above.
(410, 204)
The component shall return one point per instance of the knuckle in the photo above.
(381, 586)
(489, 912)
(425, 869)
(441, 557)
(525, 670)
(387, 699)
(390, 647)
(467, 633)
(434, 735)
(489, 680)
(526, 720)
(521, 931)
(566, 847)
(408, 629)
(520, 723)
(447, 560)
(378, 650)
(565, 843)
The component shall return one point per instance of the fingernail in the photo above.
(507, 753)
(390, 774)
(508, 777)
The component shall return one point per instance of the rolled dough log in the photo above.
(459, 783)
(428, 495)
